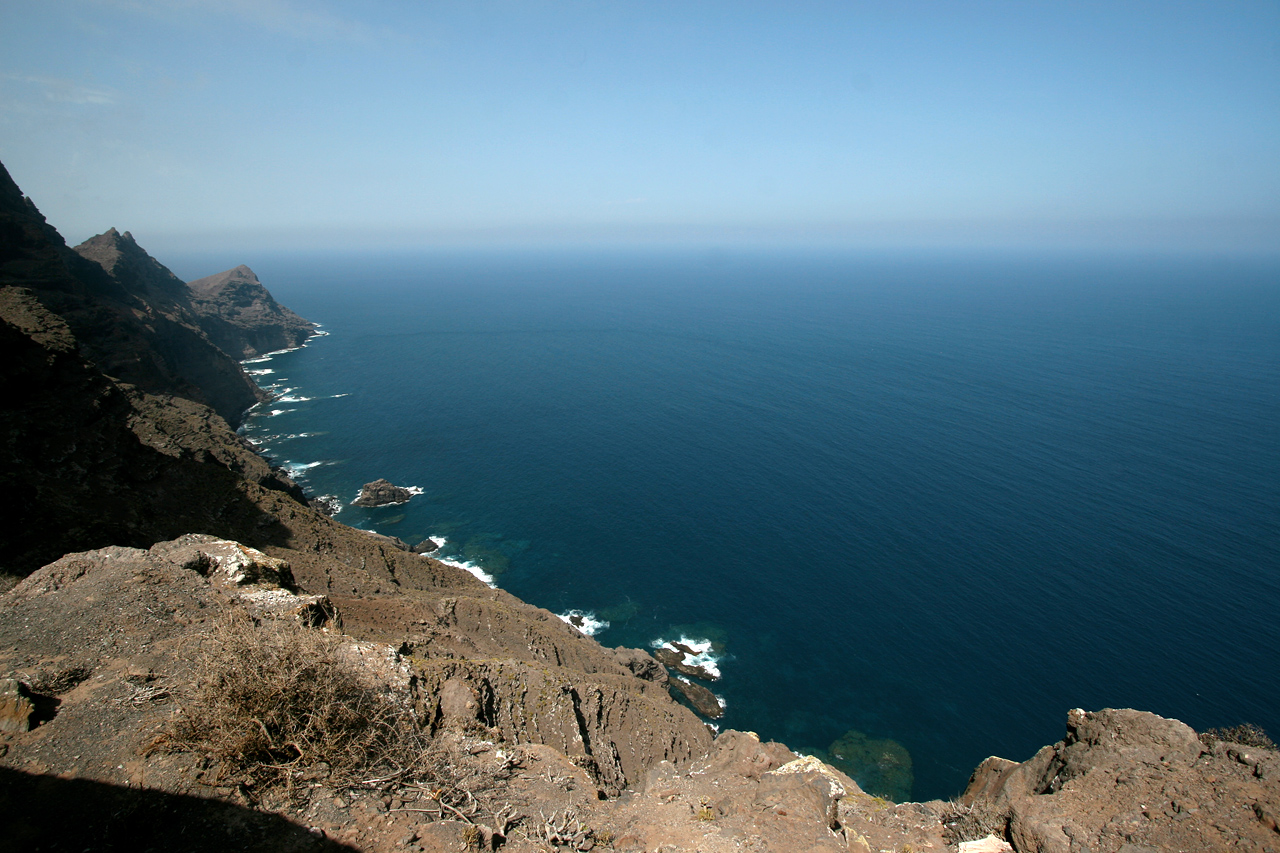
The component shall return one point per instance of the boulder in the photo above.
(381, 492)
(225, 562)
(16, 706)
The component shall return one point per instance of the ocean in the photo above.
(916, 505)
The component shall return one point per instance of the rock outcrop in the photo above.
(381, 493)
(1125, 780)
(242, 318)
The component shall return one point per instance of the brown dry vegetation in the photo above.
(274, 703)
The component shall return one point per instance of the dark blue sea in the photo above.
(933, 499)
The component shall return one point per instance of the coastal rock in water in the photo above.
(426, 546)
(642, 664)
(241, 317)
(16, 706)
(381, 492)
(702, 699)
(676, 660)
(881, 766)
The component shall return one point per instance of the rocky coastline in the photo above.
(149, 538)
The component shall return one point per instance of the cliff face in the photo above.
(124, 460)
(129, 315)
(242, 318)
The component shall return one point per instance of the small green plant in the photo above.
(1245, 734)
(471, 835)
(704, 810)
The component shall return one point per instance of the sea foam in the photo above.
(467, 567)
(701, 657)
(585, 621)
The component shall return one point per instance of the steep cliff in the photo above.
(105, 463)
(242, 318)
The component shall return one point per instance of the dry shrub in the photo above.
(273, 703)
(972, 823)
(1245, 734)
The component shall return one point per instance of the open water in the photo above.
(920, 505)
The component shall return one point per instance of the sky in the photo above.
(402, 123)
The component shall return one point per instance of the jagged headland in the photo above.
(194, 658)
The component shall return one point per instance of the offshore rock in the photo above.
(676, 660)
(702, 699)
(381, 492)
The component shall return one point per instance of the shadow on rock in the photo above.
(46, 813)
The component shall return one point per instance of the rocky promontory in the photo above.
(242, 318)
(382, 493)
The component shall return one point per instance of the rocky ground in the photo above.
(558, 746)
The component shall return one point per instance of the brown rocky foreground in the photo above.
(557, 743)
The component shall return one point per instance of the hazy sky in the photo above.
(325, 122)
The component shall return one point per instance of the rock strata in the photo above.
(641, 664)
(381, 492)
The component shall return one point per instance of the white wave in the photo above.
(701, 657)
(336, 396)
(719, 699)
(299, 469)
(413, 490)
(331, 502)
(258, 360)
(263, 372)
(289, 398)
(584, 621)
(439, 540)
(468, 567)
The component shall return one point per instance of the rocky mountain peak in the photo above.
(242, 318)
